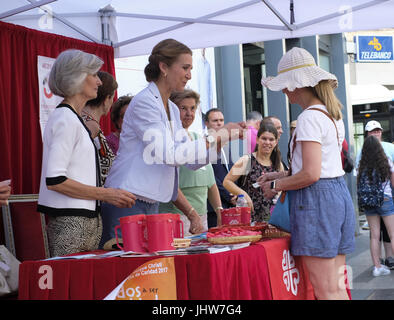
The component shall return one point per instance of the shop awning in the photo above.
(370, 93)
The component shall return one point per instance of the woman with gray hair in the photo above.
(70, 191)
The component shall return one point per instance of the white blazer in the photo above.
(151, 148)
(68, 152)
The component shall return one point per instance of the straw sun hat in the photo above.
(297, 69)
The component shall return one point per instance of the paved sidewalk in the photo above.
(364, 286)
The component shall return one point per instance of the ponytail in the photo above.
(325, 92)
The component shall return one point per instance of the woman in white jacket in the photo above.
(153, 143)
(70, 191)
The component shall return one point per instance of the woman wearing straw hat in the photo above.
(321, 211)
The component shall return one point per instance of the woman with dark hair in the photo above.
(376, 167)
(92, 113)
(266, 158)
(117, 113)
(153, 143)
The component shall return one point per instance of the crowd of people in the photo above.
(153, 164)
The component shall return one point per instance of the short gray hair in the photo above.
(254, 115)
(70, 70)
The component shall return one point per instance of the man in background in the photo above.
(214, 119)
(253, 120)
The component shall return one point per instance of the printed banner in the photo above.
(374, 48)
(154, 280)
(48, 101)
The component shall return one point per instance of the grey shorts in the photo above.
(322, 219)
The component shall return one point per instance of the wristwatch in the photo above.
(273, 185)
(211, 139)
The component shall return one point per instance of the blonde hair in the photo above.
(325, 92)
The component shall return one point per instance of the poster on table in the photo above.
(47, 100)
(154, 280)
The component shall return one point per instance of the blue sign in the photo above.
(374, 48)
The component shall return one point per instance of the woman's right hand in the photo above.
(196, 225)
(120, 198)
(267, 176)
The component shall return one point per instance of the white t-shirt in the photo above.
(313, 125)
(386, 184)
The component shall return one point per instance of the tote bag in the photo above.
(280, 216)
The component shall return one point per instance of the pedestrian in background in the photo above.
(374, 128)
(214, 120)
(375, 166)
(253, 120)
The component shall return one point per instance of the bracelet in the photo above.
(218, 208)
(190, 210)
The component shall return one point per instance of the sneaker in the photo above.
(389, 262)
(382, 271)
(365, 226)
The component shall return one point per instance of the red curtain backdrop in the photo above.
(20, 134)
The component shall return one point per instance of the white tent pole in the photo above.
(69, 24)
(278, 15)
(62, 15)
(184, 24)
(149, 35)
(200, 20)
(27, 7)
(340, 13)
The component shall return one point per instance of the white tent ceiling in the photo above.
(135, 26)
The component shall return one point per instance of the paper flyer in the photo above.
(154, 280)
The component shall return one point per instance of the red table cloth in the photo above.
(289, 279)
(237, 275)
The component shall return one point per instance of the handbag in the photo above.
(348, 162)
(280, 216)
(9, 272)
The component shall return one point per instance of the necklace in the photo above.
(91, 117)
